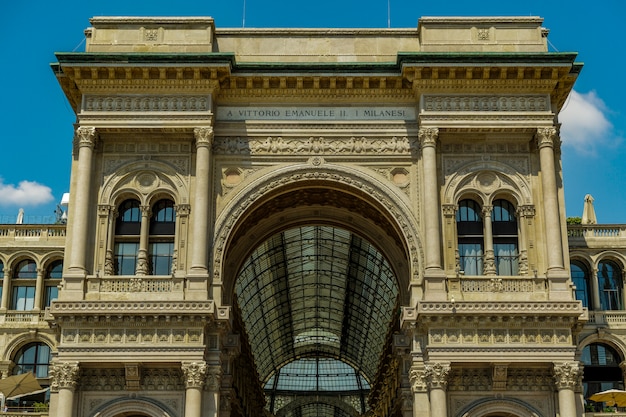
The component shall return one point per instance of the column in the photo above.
(39, 290)
(419, 388)
(85, 139)
(64, 379)
(595, 289)
(199, 253)
(180, 244)
(432, 247)
(546, 138)
(568, 377)
(490, 259)
(109, 257)
(524, 216)
(6, 288)
(142, 255)
(437, 376)
(194, 374)
(212, 391)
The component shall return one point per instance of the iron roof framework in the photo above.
(317, 303)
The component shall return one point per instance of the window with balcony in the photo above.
(24, 283)
(610, 285)
(469, 226)
(504, 225)
(51, 283)
(127, 233)
(581, 280)
(161, 239)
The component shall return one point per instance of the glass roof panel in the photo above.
(316, 291)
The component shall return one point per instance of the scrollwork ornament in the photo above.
(547, 136)
(86, 136)
(437, 375)
(204, 136)
(194, 373)
(63, 375)
(568, 375)
(428, 136)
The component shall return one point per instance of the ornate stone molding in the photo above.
(428, 136)
(437, 375)
(213, 377)
(146, 103)
(86, 136)
(313, 145)
(194, 374)
(418, 379)
(568, 375)
(64, 375)
(204, 136)
(486, 103)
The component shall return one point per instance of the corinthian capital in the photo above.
(204, 136)
(418, 379)
(547, 136)
(86, 136)
(63, 375)
(437, 375)
(568, 375)
(428, 136)
(195, 374)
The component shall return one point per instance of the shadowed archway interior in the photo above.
(317, 303)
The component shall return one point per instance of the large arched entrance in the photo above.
(320, 275)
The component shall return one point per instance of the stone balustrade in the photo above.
(36, 233)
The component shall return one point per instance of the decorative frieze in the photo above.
(144, 104)
(498, 336)
(131, 336)
(470, 379)
(277, 145)
(528, 379)
(485, 103)
(470, 285)
(143, 284)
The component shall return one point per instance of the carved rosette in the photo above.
(204, 136)
(214, 378)
(194, 373)
(428, 136)
(418, 379)
(63, 375)
(547, 136)
(86, 136)
(437, 375)
(568, 375)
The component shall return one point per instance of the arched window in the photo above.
(601, 370)
(581, 280)
(504, 226)
(469, 226)
(1, 278)
(33, 357)
(24, 283)
(52, 280)
(162, 229)
(610, 286)
(127, 231)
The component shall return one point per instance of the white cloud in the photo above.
(27, 193)
(584, 124)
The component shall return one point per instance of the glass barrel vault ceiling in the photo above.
(316, 292)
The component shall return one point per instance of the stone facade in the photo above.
(196, 145)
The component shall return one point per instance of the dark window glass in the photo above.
(610, 286)
(601, 372)
(129, 219)
(504, 226)
(161, 254)
(469, 226)
(26, 269)
(23, 297)
(35, 358)
(126, 257)
(163, 221)
(580, 278)
(55, 271)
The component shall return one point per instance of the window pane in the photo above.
(1, 270)
(35, 358)
(52, 293)
(161, 257)
(610, 285)
(23, 298)
(56, 270)
(471, 258)
(126, 257)
(506, 258)
(26, 269)
(129, 219)
(580, 279)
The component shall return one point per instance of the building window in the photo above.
(504, 226)
(162, 230)
(52, 280)
(127, 232)
(469, 226)
(581, 280)
(33, 357)
(24, 283)
(610, 286)
(601, 370)
(1, 278)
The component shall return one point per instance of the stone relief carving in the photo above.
(568, 375)
(63, 375)
(312, 145)
(469, 379)
(151, 103)
(477, 103)
(194, 373)
(437, 375)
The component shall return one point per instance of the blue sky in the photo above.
(38, 122)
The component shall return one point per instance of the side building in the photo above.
(328, 222)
